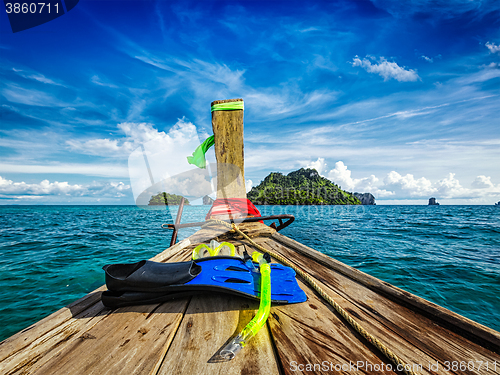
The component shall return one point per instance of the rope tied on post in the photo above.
(401, 365)
(229, 106)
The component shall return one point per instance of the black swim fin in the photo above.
(149, 282)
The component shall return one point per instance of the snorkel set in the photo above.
(213, 268)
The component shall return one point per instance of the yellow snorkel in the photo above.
(259, 320)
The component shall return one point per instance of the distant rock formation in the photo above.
(207, 200)
(164, 199)
(366, 198)
(432, 202)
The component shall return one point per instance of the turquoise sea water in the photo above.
(450, 255)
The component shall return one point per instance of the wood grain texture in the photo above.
(175, 250)
(252, 230)
(130, 340)
(483, 335)
(31, 348)
(311, 338)
(49, 344)
(210, 322)
(24, 338)
(413, 337)
(228, 135)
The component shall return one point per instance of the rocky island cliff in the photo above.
(366, 198)
(164, 199)
(433, 202)
(302, 187)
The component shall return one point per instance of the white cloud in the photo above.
(428, 59)
(161, 158)
(156, 159)
(101, 147)
(35, 76)
(16, 94)
(341, 176)
(98, 81)
(135, 135)
(487, 73)
(309, 29)
(102, 170)
(9, 188)
(319, 165)
(208, 80)
(217, 73)
(408, 184)
(108, 189)
(449, 187)
(195, 70)
(248, 185)
(43, 188)
(323, 62)
(400, 187)
(482, 182)
(435, 8)
(387, 69)
(493, 47)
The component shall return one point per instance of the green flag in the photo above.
(198, 157)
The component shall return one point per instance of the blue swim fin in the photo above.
(148, 282)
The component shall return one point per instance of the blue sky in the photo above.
(397, 98)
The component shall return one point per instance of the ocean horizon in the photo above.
(52, 255)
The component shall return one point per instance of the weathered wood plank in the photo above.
(483, 335)
(311, 338)
(347, 358)
(167, 254)
(228, 135)
(24, 338)
(46, 338)
(413, 337)
(311, 333)
(252, 230)
(42, 348)
(210, 322)
(130, 340)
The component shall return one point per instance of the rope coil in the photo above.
(400, 364)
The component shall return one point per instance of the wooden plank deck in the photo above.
(184, 336)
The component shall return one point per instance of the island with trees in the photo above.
(302, 187)
(164, 199)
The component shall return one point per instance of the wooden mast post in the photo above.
(228, 135)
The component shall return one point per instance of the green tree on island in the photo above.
(163, 199)
(303, 187)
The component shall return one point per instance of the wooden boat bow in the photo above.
(184, 336)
